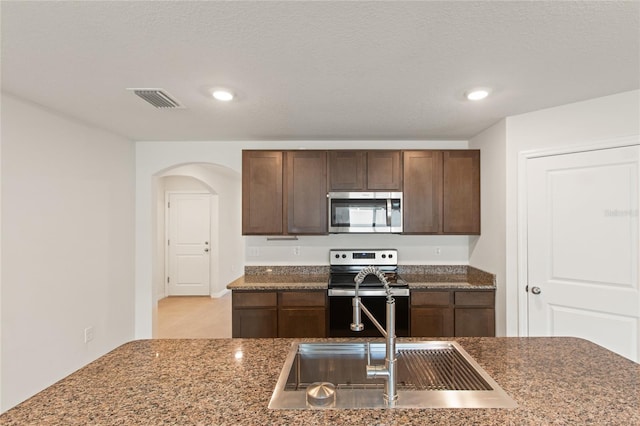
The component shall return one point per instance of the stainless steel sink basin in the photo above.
(430, 375)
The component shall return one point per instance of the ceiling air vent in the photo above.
(158, 98)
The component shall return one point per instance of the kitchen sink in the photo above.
(430, 375)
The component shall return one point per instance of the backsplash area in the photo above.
(314, 250)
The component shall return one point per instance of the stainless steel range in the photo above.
(344, 266)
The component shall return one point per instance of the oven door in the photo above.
(341, 315)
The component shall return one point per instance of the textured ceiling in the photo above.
(315, 70)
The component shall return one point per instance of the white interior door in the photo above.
(189, 244)
(582, 251)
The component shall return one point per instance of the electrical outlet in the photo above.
(88, 334)
(296, 250)
(438, 251)
(254, 251)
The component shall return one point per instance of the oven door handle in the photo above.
(368, 292)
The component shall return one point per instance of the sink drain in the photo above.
(321, 394)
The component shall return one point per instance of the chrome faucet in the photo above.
(388, 371)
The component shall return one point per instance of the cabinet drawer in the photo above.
(254, 299)
(303, 298)
(474, 298)
(430, 298)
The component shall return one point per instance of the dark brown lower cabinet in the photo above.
(254, 314)
(279, 314)
(431, 322)
(258, 322)
(297, 314)
(474, 322)
(452, 313)
(302, 314)
(474, 313)
(431, 313)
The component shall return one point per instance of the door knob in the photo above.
(536, 290)
(206, 250)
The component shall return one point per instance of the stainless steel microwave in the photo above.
(365, 212)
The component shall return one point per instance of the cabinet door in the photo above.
(384, 171)
(255, 322)
(254, 314)
(475, 322)
(431, 322)
(302, 322)
(422, 195)
(262, 193)
(461, 192)
(347, 170)
(306, 176)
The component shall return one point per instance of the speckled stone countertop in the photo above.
(317, 277)
(206, 382)
(282, 278)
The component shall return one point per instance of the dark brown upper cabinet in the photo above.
(441, 192)
(461, 192)
(422, 195)
(365, 171)
(306, 183)
(284, 192)
(347, 170)
(262, 196)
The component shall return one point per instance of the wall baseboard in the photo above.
(220, 293)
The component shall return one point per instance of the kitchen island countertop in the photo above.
(229, 381)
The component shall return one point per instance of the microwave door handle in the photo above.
(388, 211)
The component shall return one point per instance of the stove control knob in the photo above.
(384, 256)
(390, 255)
(344, 256)
(337, 256)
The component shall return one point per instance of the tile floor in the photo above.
(194, 317)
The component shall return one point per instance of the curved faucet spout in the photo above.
(372, 270)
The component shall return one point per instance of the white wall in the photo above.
(571, 125)
(154, 158)
(67, 246)
(488, 251)
(314, 250)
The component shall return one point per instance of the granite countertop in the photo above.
(317, 277)
(230, 381)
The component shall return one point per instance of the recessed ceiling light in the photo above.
(222, 95)
(477, 94)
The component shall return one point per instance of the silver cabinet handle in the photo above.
(536, 290)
